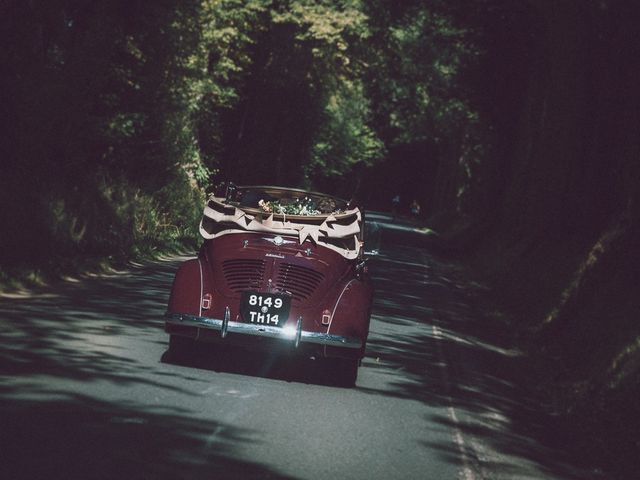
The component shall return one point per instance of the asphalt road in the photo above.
(86, 390)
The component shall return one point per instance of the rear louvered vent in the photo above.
(243, 274)
(299, 281)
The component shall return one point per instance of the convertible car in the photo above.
(281, 270)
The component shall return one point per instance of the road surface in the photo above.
(86, 390)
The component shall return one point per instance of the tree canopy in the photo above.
(123, 112)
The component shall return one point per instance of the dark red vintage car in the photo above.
(280, 269)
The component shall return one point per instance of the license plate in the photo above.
(265, 308)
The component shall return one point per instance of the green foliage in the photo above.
(328, 27)
(335, 33)
(123, 111)
(345, 138)
(420, 59)
(417, 61)
(301, 83)
(104, 97)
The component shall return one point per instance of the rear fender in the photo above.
(188, 288)
(351, 315)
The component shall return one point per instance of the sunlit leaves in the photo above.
(293, 70)
(345, 137)
(420, 56)
(228, 29)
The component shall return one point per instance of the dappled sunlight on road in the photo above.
(432, 344)
(86, 329)
(85, 381)
(59, 354)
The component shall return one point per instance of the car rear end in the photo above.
(265, 285)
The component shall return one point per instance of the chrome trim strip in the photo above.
(333, 310)
(293, 334)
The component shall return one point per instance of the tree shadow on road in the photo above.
(58, 345)
(454, 357)
(79, 437)
(450, 356)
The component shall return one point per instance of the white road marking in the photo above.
(467, 472)
(458, 437)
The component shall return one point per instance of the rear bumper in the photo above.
(291, 334)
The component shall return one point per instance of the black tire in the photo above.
(344, 372)
(180, 348)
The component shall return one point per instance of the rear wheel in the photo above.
(344, 371)
(180, 348)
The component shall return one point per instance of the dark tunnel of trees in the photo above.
(516, 125)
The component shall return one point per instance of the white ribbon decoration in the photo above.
(304, 231)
